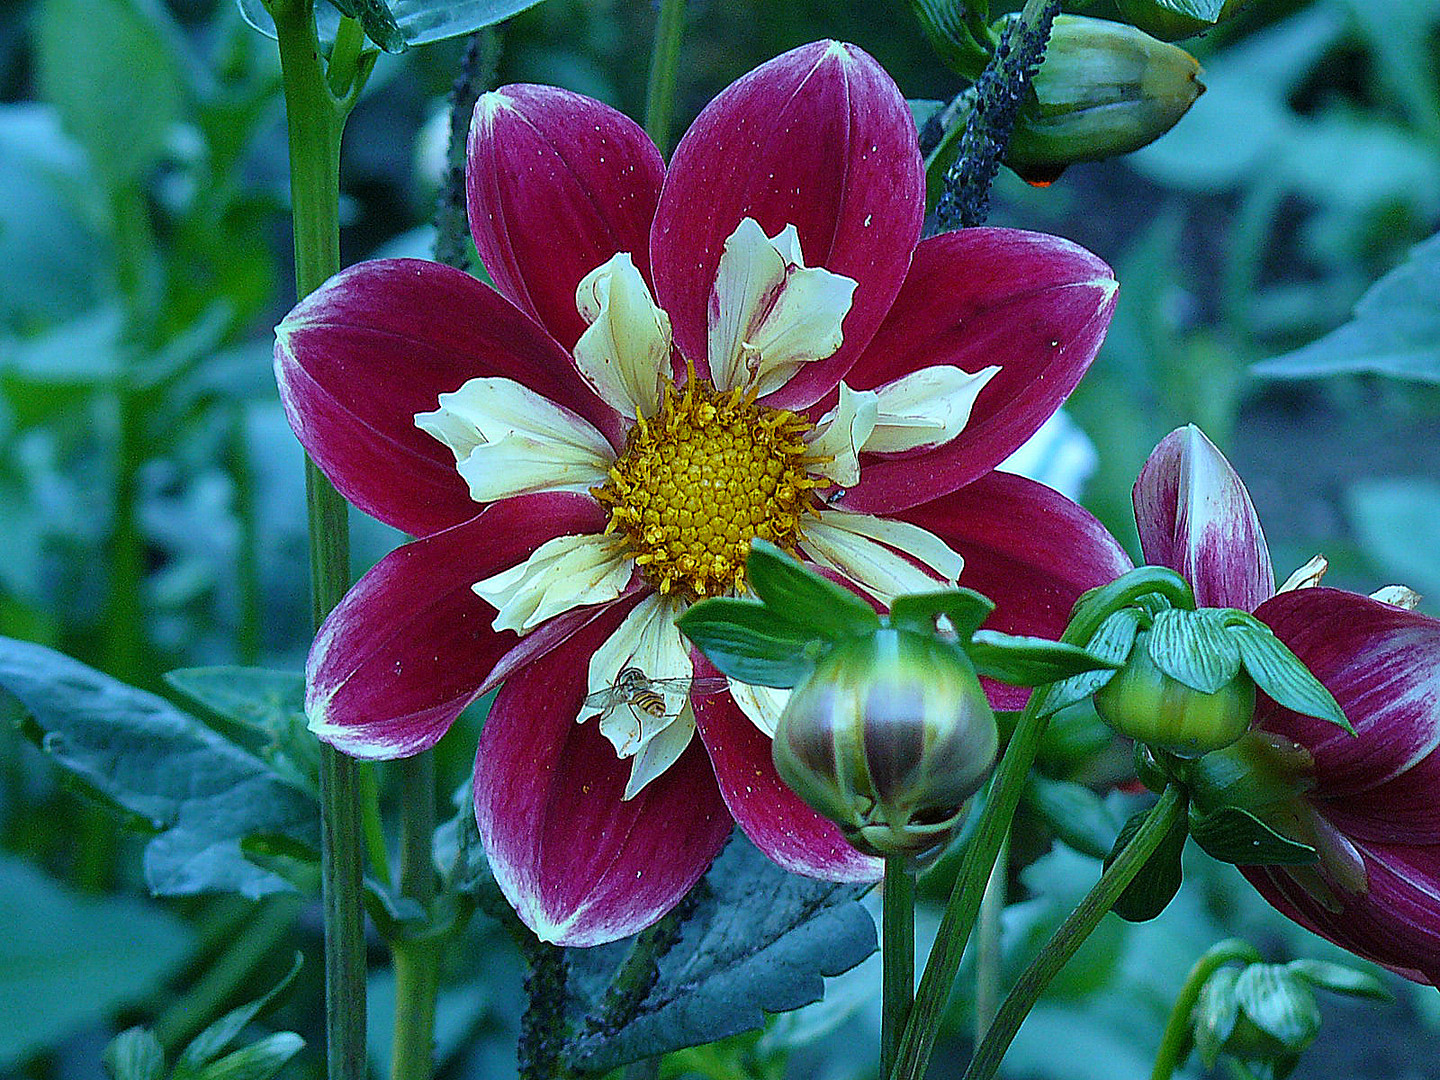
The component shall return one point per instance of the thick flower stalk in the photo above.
(752, 342)
(1368, 803)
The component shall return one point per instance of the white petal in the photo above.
(662, 751)
(770, 313)
(842, 432)
(762, 704)
(646, 640)
(865, 549)
(626, 349)
(925, 408)
(508, 440)
(1308, 576)
(563, 573)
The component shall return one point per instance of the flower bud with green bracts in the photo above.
(888, 738)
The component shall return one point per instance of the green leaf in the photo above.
(69, 961)
(1279, 1005)
(1237, 836)
(377, 22)
(804, 598)
(1284, 676)
(758, 940)
(746, 641)
(1078, 817)
(1195, 648)
(1111, 643)
(109, 62)
(1395, 330)
(135, 1054)
(201, 794)
(216, 1039)
(270, 703)
(1214, 1015)
(1152, 889)
(420, 21)
(1032, 661)
(1204, 10)
(261, 1060)
(953, 27)
(1339, 979)
(965, 609)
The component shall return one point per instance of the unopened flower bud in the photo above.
(1104, 89)
(1149, 706)
(888, 738)
(1167, 24)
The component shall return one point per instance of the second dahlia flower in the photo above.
(750, 342)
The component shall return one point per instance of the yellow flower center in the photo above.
(700, 478)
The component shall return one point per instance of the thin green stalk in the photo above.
(664, 63)
(959, 918)
(272, 922)
(371, 825)
(247, 560)
(987, 941)
(1175, 1042)
(897, 956)
(1073, 931)
(417, 960)
(316, 120)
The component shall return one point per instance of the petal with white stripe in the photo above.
(866, 550)
(563, 573)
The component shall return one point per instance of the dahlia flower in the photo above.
(1369, 803)
(751, 342)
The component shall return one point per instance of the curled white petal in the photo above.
(626, 349)
(563, 573)
(841, 433)
(508, 440)
(928, 407)
(648, 641)
(866, 550)
(661, 751)
(1307, 576)
(762, 704)
(769, 313)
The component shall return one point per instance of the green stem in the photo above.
(417, 961)
(371, 825)
(987, 941)
(316, 120)
(664, 62)
(1175, 1042)
(897, 957)
(1073, 931)
(959, 918)
(247, 560)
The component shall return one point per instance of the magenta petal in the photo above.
(819, 138)
(579, 865)
(1395, 922)
(773, 817)
(557, 183)
(1195, 516)
(409, 646)
(1382, 663)
(1026, 547)
(378, 343)
(1035, 305)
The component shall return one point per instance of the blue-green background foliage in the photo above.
(152, 506)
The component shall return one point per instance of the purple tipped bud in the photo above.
(888, 738)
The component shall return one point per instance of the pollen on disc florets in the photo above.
(698, 480)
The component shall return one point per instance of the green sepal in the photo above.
(1076, 815)
(1280, 1005)
(1214, 1015)
(1111, 643)
(966, 610)
(206, 1047)
(1195, 648)
(135, 1054)
(1237, 836)
(745, 640)
(957, 30)
(1339, 979)
(1032, 661)
(377, 21)
(804, 598)
(261, 1060)
(1153, 587)
(1073, 736)
(1152, 889)
(1284, 676)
